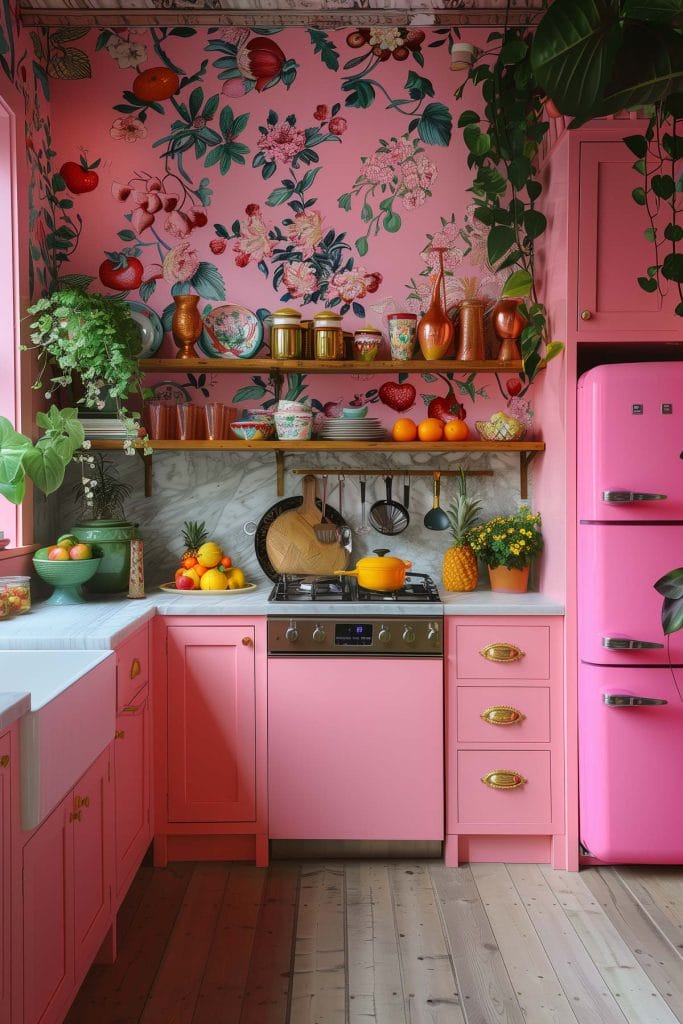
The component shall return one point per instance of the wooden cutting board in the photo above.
(291, 542)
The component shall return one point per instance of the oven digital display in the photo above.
(353, 634)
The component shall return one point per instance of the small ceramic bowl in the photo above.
(353, 412)
(261, 415)
(252, 430)
(293, 426)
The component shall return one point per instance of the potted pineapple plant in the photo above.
(459, 571)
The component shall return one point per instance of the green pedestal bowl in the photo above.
(65, 577)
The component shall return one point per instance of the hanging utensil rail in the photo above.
(344, 471)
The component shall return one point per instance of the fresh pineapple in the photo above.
(194, 535)
(460, 571)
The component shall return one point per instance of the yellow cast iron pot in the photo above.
(380, 573)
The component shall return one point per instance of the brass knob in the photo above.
(502, 653)
(75, 816)
(135, 668)
(119, 734)
(4, 761)
(586, 314)
(502, 714)
(82, 801)
(503, 778)
(247, 641)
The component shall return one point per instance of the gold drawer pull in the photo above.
(502, 714)
(502, 653)
(503, 778)
(247, 641)
(75, 816)
(131, 709)
(135, 668)
(119, 734)
(82, 801)
(4, 761)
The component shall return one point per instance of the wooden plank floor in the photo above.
(393, 942)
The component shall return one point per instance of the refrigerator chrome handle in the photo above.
(625, 643)
(627, 700)
(626, 497)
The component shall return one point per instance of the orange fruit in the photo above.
(200, 569)
(226, 561)
(189, 562)
(456, 430)
(404, 430)
(430, 429)
(155, 84)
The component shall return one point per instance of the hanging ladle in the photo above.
(436, 518)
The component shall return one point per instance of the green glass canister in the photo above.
(112, 537)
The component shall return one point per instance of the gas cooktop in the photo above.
(417, 589)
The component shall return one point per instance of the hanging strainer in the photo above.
(389, 517)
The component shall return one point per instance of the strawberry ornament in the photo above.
(446, 408)
(81, 177)
(398, 397)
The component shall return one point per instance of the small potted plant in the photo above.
(508, 545)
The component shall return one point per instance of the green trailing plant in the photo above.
(101, 493)
(670, 586)
(502, 145)
(45, 461)
(599, 57)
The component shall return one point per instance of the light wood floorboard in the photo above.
(393, 942)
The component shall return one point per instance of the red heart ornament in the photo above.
(397, 396)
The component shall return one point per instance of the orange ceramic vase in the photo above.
(509, 581)
(435, 330)
(186, 325)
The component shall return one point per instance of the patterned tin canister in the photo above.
(402, 335)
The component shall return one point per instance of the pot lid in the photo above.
(382, 562)
(287, 311)
(327, 314)
(368, 329)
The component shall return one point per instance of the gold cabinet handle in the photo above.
(503, 778)
(131, 709)
(120, 734)
(75, 816)
(4, 761)
(502, 653)
(586, 314)
(82, 801)
(247, 641)
(502, 714)
(135, 668)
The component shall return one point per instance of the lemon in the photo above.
(213, 580)
(236, 579)
(209, 555)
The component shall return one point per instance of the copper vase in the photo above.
(508, 324)
(471, 347)
(186, 325)
(435, 330)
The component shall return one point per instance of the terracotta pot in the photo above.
(381, 573)
(509, 581)
(186, 325)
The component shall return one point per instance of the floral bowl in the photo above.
(293, 426)
(260, 416)
(253, 430)
(284, 405)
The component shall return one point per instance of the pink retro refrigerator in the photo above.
(630, 503)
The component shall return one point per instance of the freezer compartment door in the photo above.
(620, 612)
(631, 764)
(630, 440)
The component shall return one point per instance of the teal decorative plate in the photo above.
(231, 332)
(151, 328)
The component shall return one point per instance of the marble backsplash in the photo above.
(230, 489)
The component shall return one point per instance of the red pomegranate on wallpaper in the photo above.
(260, 59)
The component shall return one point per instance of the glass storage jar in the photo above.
(16, 592)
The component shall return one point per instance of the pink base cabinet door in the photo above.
(66, 895)
(132, 758)
(504, 739)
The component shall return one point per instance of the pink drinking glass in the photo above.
(214, 414)
(188, 421)
(157, 420)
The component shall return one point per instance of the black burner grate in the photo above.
(417, 589)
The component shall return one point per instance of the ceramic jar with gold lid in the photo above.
(328, 335)
(285, 334)
(366, 343)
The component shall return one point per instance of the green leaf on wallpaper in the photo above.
(246, 394)
(67, 34)
(204, 193)
(327, 50)
(344, 201)
(391, 222)
(208, 282)
(4, 45)
(366, 213)
(78, 281)
(418, 87)
(362, 245)
(361, 93)
(127, 235)
(435, 125)
(70, 65)
(147, 289)
(307, 180)
(279, 196)
(41, 77)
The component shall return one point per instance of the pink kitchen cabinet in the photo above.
(504, 739)
(210, 754)
(66, 895)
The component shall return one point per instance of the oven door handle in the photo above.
(628, 700)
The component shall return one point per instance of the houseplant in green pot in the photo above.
(103, 523)
(508, 545)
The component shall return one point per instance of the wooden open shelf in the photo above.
(348, 366)
(526, 450)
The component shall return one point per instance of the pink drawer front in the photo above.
(524, 652)
(132, 667)
(514, 714)
(479, 805)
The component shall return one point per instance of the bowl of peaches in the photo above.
(65, 566)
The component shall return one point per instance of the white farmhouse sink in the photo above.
(71, 721)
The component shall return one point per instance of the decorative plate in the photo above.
(170, 588)
(150, 326)
(170, 391)
(231, 332)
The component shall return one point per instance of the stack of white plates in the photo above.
(103, 428)
(347, 429)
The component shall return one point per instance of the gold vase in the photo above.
(471, 347)
(186, 325)
(435, 330)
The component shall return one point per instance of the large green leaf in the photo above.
(648, 67)
(517, 285)
(671, 584)
(573, 52)
(672, 614)
(45, 467)
(652, 10)
(13, 448)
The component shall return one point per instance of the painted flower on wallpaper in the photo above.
(306, 231)
(256, 63)
(125, 51)
(351, 285)
(180, 264)
(300, 279)
(148, 197)
(253, 239)
(128, 129)
(383, 43)
(398, 171)
(282, 142)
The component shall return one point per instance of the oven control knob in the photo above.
(383, 635)
(432, 631)
(292, 633)
(408, 635)
(318, 634)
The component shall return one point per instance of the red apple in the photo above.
(79, 552)
(57, 554)
(184, 582)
